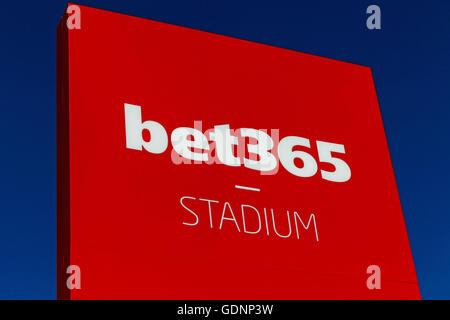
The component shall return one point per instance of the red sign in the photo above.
(197, 166)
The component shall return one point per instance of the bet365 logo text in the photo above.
(252, 148)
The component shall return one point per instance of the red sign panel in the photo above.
(197, 166)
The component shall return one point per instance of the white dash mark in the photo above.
(247, 188)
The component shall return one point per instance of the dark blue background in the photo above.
(410, 61)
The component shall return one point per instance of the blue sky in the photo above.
(410, 61)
